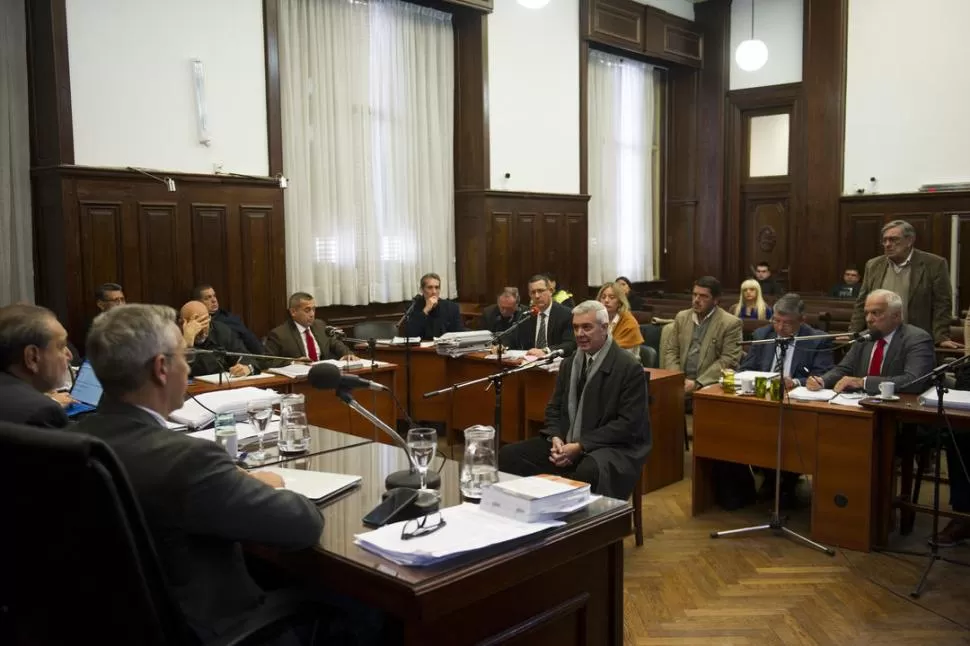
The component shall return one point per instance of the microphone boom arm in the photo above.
(493, 377)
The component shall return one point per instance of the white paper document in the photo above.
(244, 431)
(753, 374)
(805, 395)
(315, 485)
(848, 399)
(467, 528)
(226, 378)
(509, 354)
(953, 399)
(198, 410)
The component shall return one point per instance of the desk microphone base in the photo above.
(412, 480)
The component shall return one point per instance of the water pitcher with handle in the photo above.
(479, 467)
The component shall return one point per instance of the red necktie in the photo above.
(311, 347)
(875, 365)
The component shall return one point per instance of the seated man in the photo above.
(207, 294)
(903, 353)
(109, 295)
(849, 287)
(34, 358)
(200, 332)
(703, 340)
(503, 314)
(305, 336)
(433, 316)
(769, 286)
(560, 294)
(197, 503)
(551, 330)
(597, 422)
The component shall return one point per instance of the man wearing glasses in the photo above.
(921, 279)
(551, 329)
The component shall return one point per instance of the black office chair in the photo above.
(649, 357)
(651, 335)
(78, 562)
(375, 330)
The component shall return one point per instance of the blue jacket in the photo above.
(813, 356)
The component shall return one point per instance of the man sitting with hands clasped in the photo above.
(899, 353)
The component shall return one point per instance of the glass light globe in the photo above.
(751, 55)
(533, 4)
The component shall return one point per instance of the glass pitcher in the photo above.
(294, 431)
(479, 467)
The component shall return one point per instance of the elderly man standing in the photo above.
(597, 422)
(921, 279)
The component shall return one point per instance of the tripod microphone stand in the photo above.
(776, 522)
(938, 375)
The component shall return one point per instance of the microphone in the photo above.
(334, 332)
(410, 309)
(555, 353)
(326, 376)
(868, 335)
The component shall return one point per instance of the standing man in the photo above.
(207, 295)
(432, 315)
(503, 314)
(703, 340)
(551, 329)
(305, 336)
(921, 279)
(201, 332)
(597, 422)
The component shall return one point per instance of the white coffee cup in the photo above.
(887, 390)
(747, 385)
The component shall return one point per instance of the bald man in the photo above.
(202, 333)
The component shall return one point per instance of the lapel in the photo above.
(711, 334)
(297, 339)
(594, 387)
(917, 270)
(891, 352)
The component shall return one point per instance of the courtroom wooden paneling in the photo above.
(51, 126)
(471, 99)
(617, 22)
(673, 39)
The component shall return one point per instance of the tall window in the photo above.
(624, 168)
(368, 112)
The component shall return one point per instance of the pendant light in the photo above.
(751, 54)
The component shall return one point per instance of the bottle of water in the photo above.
(479, 467)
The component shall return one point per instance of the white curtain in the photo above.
(16, 256)
(621, 128)
(368, 128)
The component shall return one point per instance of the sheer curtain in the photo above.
(368, 120)
(16, 255)
(621, 131)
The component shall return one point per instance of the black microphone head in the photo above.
(324, 376)
(872, 335)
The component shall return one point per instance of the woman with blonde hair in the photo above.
(623, 326)
(751, 304)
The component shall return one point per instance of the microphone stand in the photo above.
(938, 375)
(408, 478)
(407, 353)
(776, 522)
(499, 377)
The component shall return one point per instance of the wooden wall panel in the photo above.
(161, 266)
(210, 260)
(766, 231)
(617, 22)
(102, 245)
(262, 305)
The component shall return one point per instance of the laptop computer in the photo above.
(86, 391)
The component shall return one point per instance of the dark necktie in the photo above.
(875, 366)
(581, 384)
(311, 347)
(541, 340)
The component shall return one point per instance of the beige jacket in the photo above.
(721, 347)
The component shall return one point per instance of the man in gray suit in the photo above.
(198, 504)
(305, 336)
(921, 279)
(598, 421)
(903, 353)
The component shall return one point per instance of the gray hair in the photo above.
(602, 316)
(908, 231)
(23, 325)
(124, 339)
(510, 291)
(299, 296)
(894, 303)
(791, 304)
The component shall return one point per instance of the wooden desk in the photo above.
(429, 371)
(323, 407)
(665, 464)
(836, 445)
(564, 588)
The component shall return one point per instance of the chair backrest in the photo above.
(649, 357)
(77, 559)
(651, 335)
(375, 330)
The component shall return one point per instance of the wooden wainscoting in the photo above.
(502, 238)
(105, 225)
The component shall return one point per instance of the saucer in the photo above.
(894, 398)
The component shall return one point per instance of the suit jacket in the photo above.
(285, 341)
(220, 338)
(21, 403)
(720, 349)
(909, 355)
(615, 429)
(813, 357)
(930, 293)
(198, 507)
(234, 323)
(559, 331)
(493, 321)
(446, 317)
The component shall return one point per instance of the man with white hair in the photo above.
(902, 352)
(597, 422)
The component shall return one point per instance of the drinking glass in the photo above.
(294, 433)
(422, 443)
(260, 412)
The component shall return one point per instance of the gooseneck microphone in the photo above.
(334, 332)
(867, 335)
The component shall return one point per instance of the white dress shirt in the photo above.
(540, 322)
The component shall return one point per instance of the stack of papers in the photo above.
(953, 399)
(753, 374)
(455, 344)
(536, 498)
(226, 378)
(805, 395)
(401, 340)
(298, 370)
(467, 528)
(198, 410)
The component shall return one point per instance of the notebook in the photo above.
(318, 486)
(86, 391)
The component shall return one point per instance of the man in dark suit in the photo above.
(803, 358)
(305, 336)
(551, 329)
(769, 286)
(202, 333)
(34, 358)
(503, 314)
(433, 316)
(197, 503)
(598, 421)
(903, 353)
(207, 295)
(921, 279)
(850, 285)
